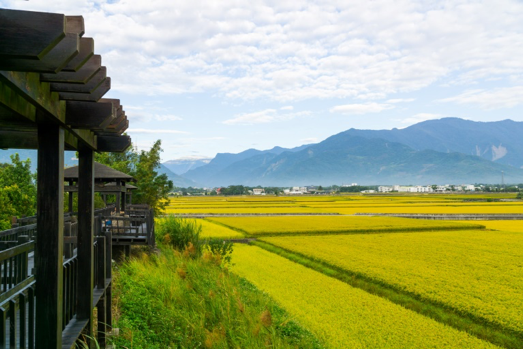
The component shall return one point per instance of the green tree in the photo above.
(17, 190)
(153, 189)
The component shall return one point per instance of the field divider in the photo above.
(491, 332)
(362, 231)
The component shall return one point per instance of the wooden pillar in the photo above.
(49, 248)
(118, 206)
(108, 274)
(124, 198)
(70, 197)
(85, 240)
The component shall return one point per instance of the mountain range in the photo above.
(448, 150)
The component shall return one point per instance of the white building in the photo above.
(384, 189)
(258, 191)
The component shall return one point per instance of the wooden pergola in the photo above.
(107, 180)
(51, 88)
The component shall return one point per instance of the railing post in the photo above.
(85, 239)
(68, 247)
(109, 275)
(100, 284)
(49, 249)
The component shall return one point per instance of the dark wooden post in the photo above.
(124, 198)
(100, 284)
(70, 197)
(85, 238)
(49, 249)
(108, 274)
(118, 200)
(68, 247)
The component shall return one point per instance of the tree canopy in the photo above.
(153, 188)
(17, 190)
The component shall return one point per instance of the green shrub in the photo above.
(220, 247)
(180, 233)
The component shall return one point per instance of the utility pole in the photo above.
(503, 180)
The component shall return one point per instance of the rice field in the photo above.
(212, 230)
(474, 272)
(473, 269)
(343, 316)
(263, 226)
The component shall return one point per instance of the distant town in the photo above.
(346, 188)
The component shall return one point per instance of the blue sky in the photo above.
(225, 76)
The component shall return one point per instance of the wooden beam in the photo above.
(48, 106)
(88, 87)
(75, 24)
(18, 140)
(87, 71)
(115, 144)
(49, 249)
(85, 281)
(88, 115)
(15, 103)
(94, 96)
(86, 52)
(52, 62)
(108, 190)
(29, 35)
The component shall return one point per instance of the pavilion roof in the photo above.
(102, 173)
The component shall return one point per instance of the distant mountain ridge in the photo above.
(500, 141)
(223, 160)
(436, 151)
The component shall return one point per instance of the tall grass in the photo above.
(173, 301)
(179, 233)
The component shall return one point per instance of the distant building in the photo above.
(384, 189)
(258, 191)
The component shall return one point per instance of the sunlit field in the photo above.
(379, 281)
(476, 272)
(343, 316)
(319, 225)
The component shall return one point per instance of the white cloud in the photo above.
(309, 140)
(401, 100)
(292, 51)
(287, 107)
(154, 131)
(264, 116)
(358, 109)
(421, 117)
(498, 98)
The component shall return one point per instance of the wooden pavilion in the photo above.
(107, 180)
(51, 88)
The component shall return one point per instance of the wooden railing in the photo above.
(17, 298)
(18, 286)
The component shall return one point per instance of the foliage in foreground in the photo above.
(171, 301)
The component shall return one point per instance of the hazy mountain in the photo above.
(499, 141)
(69, 157)
(222, 160)
(180, 166)
(178, 180)
(344, 158)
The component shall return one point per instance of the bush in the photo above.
(220, 248)
(180, 233)
(520, 195)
